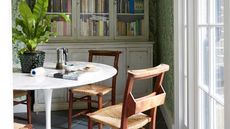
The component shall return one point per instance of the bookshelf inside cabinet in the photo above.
(100, 19)
(58, 25)
(94, 18)
(130, 18)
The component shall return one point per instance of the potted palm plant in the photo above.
(33, 27)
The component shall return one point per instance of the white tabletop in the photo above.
(23, 81)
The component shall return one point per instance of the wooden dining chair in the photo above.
(22, 126)
(27, 102)
(129, 115)
(93, 89)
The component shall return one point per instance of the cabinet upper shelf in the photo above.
(113, 20)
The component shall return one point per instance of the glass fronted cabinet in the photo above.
(100, 19)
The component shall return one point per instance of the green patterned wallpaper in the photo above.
(161, 31)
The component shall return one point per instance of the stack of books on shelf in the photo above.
(135, 28)
(59, 6)
(94, 6)
(95, 26)
(130, 6)
(58, 25)
(61, 27)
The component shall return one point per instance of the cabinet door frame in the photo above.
(75, 23)
(145, 35)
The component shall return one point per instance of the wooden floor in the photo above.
(59, 121)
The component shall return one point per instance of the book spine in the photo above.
(68, 29)
(60, 28)
(86, 6)
(69, 6)
(99, 6)
(82, 27)
(64, 5)
(106, 6)
(123, 6)
(129, 33)
(134, 28)
(50, 6)
(91, 6)
(118, 6)
(142, 26)
(131, 6)
(102, 6)
(107, 28)
(54, 26)
(57, 6)
(64, 28)
(123, 29)
(139, 6)
(101, 28)
(90, 28)
(96, 28)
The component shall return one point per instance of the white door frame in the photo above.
(179, 66)
(227, 64)
(178, 63)
(6, 92)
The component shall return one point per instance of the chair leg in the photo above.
(153, 114)
(28, 103)
(90, 123)
(89, 103)
(70, 109)
(99, 107)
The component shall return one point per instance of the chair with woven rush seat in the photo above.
(27, 101)
(129, 114)
(22, 126)
(93, 89)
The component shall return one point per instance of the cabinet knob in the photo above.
(128, 66)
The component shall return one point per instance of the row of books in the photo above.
(130, 6)
(135, 28)
(62, 28)
(59, 6)
(91, 27)
(94, 6)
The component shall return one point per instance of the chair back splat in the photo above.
(131, 114)
(95, 90)
(115, 54)
(133, 106)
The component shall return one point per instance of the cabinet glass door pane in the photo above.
(130, 18)
(94, 18)
(58, 25)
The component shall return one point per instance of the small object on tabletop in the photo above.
(40, 71)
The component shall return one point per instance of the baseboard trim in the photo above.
(167, 116)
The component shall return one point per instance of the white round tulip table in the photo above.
(92, 72)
